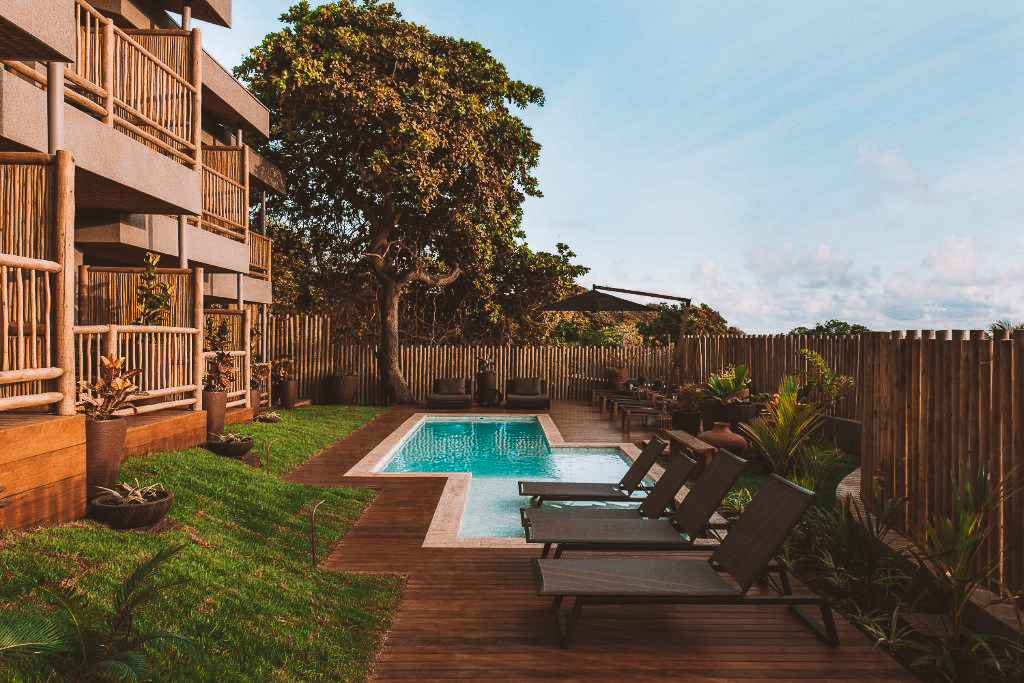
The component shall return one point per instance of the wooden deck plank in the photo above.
(473, 613)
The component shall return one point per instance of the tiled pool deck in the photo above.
(471, 611)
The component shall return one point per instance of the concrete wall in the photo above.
(225, 286)
(36, 31)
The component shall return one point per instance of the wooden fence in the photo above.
(37, 214)
(770, 358)
(938, 406)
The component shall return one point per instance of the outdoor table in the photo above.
(697, 449)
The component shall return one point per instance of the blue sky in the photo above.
(784, 162)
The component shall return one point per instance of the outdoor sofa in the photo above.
(527, 392)
(451, 392)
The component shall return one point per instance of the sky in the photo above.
(783, 161)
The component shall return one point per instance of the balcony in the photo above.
(142, 83)
(259, 256)
(225, 192)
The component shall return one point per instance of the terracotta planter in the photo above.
(723, 437)
(131, 515)
(104, 453)
(230, 449)
(686, 420)
(215, 404)
(287, 393)
(254, 401)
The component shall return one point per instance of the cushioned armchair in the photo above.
(451, 392)
(527, 392)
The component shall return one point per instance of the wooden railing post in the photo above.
(197, 323)
(65, 295)
(111, 342)
(197, 102)
(108, 71)
(247, 360)
(83, 296)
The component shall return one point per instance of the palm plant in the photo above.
(729, 386)
(780, 436)
(82, 647)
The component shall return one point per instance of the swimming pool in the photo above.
(497, 452)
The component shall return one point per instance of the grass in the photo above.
(252, 601)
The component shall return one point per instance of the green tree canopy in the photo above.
(399, 147)
(703, 320)
(830, 327)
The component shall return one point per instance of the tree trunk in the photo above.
(389, 369)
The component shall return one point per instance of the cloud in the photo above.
(890, 170)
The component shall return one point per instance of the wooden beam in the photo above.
(65, 294)
(650, 294)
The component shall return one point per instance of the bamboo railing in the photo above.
(144, 83)
(226, 191)
(166, 356)
(37, 209)
(239, 330)
(259, 256)
(108, 295)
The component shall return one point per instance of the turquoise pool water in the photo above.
(498, 452)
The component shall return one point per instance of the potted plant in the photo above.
(685, 407)
(726, 398)
(229, 444)
(615, 371)
(220, 372)
(130, 507)
(343, 386)
(258, 375)
(268, 418)
(104, 430)
(486, 382)
(286, 389)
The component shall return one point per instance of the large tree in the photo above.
(399, 147)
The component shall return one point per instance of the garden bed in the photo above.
(249, 599)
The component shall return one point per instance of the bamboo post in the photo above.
(197, 323)
(197, 101)
(247, 359)
(108, 71)
(84, 317)
(65, 294)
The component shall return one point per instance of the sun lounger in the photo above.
(566, 529)
(632, 481)
(745, 555)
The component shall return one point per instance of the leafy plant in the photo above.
(730, 386)
(126, 494)
(948, 552)
(822, 383)
(888, 634)
(817, 466)
(82, 643)
(484, 364)
(271, 417)
(849, 542)
(687, 398)
(113, 391)
(281, 368)
(780, 436)
(229, 437)
(258, 374)
(153, 297)
(220, 368)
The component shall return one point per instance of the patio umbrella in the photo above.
(595, 302)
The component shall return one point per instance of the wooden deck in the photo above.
(473, 613)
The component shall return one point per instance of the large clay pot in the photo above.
(723, 437)
(287, 393)
(348, 389)
(686, 420)
(215, 404)
(254, 401)
(104, 453)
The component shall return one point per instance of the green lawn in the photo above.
(252, 601)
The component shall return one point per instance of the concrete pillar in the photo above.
(54, 106)
(186, 16)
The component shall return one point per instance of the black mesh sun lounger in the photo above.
(660, 500)
(570, 530)
(632, 480)
(745, 555)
